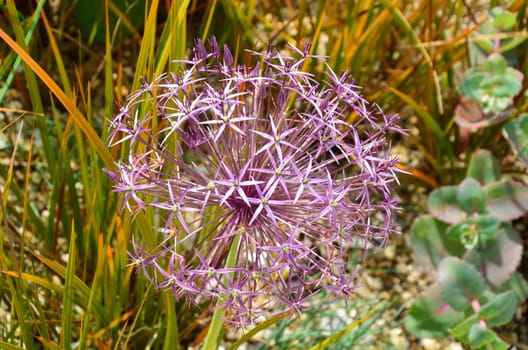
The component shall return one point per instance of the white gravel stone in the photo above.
(402, 269)
(454, 346)
(414, 276)
(390, 252)
(397, 338)
(56, 280)
(374, 283)
(407, 296)
(430, 344)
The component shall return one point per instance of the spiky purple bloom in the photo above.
(297, 171)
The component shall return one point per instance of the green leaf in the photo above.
(518, 286)
(470, 196)
(516, 132)
(503, 85)
(430, 316)
(507, 199)
(465, 233)
(498, 344)
(430, 243)
(473, 230)
(495, 64)
(487, 228)
(504, 21)
(483, 167)
(499, 259)
(462, 329)
(500, 310)
(443, 204)
(497, 106)
(523, 122)
(471, 84)
(480, 336)
(460, 282)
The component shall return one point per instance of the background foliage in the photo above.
(66, 280)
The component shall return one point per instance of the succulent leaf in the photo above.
(471, 85)
(473, 230)
(430, 316)
(481, 337)
(443, 204)
(461, 330)
(507, 85)
(460, 282)
(518, 285)
(503, 20)
(499, 310)
(495, 64)
(493, 85)
(465, 233)
(499, 260)
(431, 244)
(507, 199)
(470, 196)
(516, 131)
(470, 114)
(483, 167)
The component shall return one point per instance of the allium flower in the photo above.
(262, 180)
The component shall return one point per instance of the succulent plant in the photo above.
(488, 91)
(469, 247)
(489, 87)
(516, 131)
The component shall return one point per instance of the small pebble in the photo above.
(380, 322)
(374, 283)
(407, 296)
(390, 252)
(430, 344)
(397, 338)
(413, 276)
(454, 346)
(56, 280)
(402, 269)
(397, 287)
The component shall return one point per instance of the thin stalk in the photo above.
(218, 315)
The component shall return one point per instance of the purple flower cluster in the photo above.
(260, 178)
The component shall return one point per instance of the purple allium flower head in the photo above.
(290, 172)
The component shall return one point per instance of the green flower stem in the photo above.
(218, 316)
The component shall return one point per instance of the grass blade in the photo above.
(429, 120)
(261, 326)
(78, 285)
(7, 346)
(335, 337)
(67, 102)
(67, 297)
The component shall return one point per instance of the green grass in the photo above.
(93, 298)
